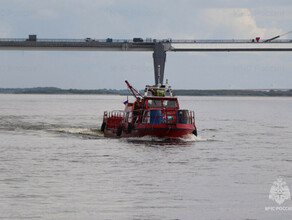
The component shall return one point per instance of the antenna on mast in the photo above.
(159, 83)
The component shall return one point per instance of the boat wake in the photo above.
(97, 133)
(80, 131)
(89, 133)
(150, 140)
(192, 138)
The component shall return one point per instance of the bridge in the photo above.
(159, 47)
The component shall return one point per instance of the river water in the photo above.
(55, 164)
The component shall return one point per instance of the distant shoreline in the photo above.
(188, 92)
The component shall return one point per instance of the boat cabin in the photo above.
(157, 110)
(157, 103)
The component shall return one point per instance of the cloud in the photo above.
(46, 14)
(234, 23)
(5, 30)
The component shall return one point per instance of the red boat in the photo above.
(157, 113)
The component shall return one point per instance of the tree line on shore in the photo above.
(189, 92)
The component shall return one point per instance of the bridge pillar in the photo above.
(159, 58)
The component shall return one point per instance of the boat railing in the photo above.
(113, 118)
(114, 113)
(158, 116)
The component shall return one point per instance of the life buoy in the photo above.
(130, 127)
(103, 127)
(195, 132)
(120, 130)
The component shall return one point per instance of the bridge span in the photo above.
(130, 45)
(157, 47)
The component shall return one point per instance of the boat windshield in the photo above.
(170, 103)
(154, 103)
(162, 103)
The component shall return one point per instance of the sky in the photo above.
(125, 19)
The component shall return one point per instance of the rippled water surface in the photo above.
(55, 163)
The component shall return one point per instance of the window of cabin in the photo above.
(154, 103)
(170, 103)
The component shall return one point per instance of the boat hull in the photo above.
(158, 131)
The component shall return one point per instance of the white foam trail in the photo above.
(186, 138)
(97, 132)
(85, 131)
(146, 138)
(191, 137)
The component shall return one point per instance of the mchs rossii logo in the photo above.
(279, 193)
